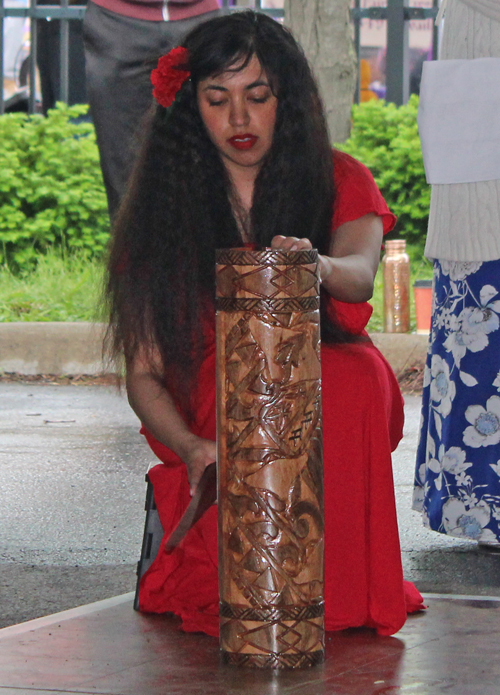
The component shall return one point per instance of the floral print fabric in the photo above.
(457, 480)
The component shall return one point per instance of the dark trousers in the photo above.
(120, 53)
(49, 63)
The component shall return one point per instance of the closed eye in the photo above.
(259, 100)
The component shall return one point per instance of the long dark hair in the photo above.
(177, 210)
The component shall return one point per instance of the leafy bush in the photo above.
(385, 138)
(52, 195)
(51, 190)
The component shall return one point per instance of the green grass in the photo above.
(56, 289)
(420, 269)
(70, 290)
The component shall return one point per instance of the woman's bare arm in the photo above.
(155, 408)
(348, 271)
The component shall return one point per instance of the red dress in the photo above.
(362, 424)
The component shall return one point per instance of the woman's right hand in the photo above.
(197, 455)
(156, 409)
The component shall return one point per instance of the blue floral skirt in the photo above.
(457, 479)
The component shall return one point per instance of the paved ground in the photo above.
(72, 489)
(72, 467)
(436, 563)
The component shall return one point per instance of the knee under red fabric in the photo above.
(362, 424)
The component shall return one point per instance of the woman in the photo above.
(242, 156)
(457, 477)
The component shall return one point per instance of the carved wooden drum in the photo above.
(270, 468)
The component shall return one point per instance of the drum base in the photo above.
(274, 661)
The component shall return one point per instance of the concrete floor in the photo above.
(72, 470)
(108, 649)
(72, 467)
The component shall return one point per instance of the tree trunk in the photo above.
(323, 29)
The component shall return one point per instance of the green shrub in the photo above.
(51, 190)
(385, 138)
(52, 195)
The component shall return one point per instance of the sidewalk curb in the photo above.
(51, 348)
(402, 350)
(76, 348)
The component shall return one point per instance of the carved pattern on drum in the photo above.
(277, 661)
(315, 610)
(271, 257)
(270, 468)
(272, 305)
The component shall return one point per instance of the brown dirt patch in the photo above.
(62, 379)
(411, 381)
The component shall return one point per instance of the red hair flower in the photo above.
(170, 75)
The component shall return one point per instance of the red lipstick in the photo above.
(243, 142)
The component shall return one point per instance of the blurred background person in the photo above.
(123, 39)
(48, 60)
(365, 78)
(457, 480)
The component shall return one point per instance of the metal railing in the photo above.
(397, 13)
(257, 5)
(63, 12)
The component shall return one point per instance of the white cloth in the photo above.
(464, 221)
(459, 120)
(490, 8)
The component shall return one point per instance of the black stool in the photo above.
(153, 533)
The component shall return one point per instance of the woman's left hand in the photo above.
(290, 243)
(293, 243)
(348, 269)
